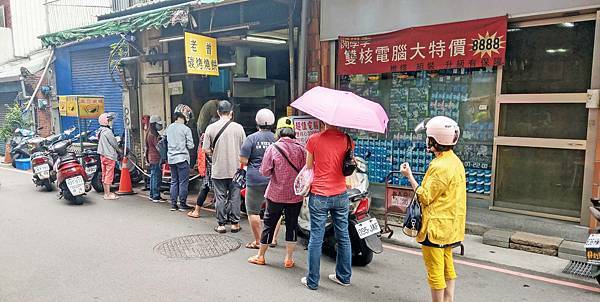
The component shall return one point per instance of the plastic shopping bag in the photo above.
(303, 182)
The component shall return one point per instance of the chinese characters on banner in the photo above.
(89, 106)
(201, 54)
(305, 127)
(468, 44)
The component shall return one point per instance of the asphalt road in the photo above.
(105, 251)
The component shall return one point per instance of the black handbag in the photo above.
(349, 165)
(413, 221)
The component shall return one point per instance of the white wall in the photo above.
(6, 51)
(29, 19)
(362, 17)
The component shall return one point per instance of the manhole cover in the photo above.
(198, 246)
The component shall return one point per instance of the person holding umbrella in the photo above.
(443, 199)
(326, 152)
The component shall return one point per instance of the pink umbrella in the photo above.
(343, 109)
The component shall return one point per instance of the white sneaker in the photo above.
(334, 278)
(304, 282)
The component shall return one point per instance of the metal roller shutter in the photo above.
(90, 76)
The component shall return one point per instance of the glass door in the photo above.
(541, 116)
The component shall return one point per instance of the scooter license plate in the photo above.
(90, 170)
(43, 175)
(76, 185)
(367, 228)
(41, 168)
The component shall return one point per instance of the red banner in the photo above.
(477, 43)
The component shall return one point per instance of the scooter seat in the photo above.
(354, 193)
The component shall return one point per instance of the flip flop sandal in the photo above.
(252, 246)
(289, 263)
(220, 231)
(236, 230)
(189, 214)
(274, 244)
(256, 260)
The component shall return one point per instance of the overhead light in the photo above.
(170, 39)
(558, 50)
(223, 65)
(561, 50)
(264, 40)
(513, 30)
(568, 24)
(550, 50)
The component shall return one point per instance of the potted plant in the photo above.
(13, 119)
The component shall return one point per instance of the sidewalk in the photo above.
(476, 250)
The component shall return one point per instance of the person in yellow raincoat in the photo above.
(443, 199)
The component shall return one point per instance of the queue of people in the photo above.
(273, 160)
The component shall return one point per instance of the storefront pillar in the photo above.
(593, 153)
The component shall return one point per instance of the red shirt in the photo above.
(274, 165)
(328, 149)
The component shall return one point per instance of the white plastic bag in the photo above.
(303, 182)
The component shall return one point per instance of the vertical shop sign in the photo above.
(305, 127)
(468, 44)
(201, 54)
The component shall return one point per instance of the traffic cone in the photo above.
(125, 181)
(7, 159)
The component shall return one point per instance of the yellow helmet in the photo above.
(285, 122)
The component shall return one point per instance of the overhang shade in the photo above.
(139, 22)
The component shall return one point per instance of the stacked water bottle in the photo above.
(380, 162)
(479, 181)
(388, 155)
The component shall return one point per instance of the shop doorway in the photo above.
(541, 140)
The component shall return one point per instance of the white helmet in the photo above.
(265, 117)
(443, 130)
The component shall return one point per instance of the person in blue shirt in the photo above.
(251, 154)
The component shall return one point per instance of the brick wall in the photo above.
(6, 4)
(43, 116)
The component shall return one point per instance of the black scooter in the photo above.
(365, 233)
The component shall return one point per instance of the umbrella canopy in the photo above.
(343, 109)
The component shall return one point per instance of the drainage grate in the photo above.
(579, 269)
(197, 246)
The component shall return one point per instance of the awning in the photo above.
(164, 17)
(11, 71)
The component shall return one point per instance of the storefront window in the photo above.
(564, 121)
(555, 189)
(465, 95)
(549, 59)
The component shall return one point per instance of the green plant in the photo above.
(14, 119)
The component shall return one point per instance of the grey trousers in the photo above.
(227, 201)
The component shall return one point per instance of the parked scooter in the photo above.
(72, 180)
(42, 161)
(364, 231)
(19, 147)
(593, 243)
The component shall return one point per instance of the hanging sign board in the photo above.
(201, 54)
(305, 127)
(89, 106)
(468, 44)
